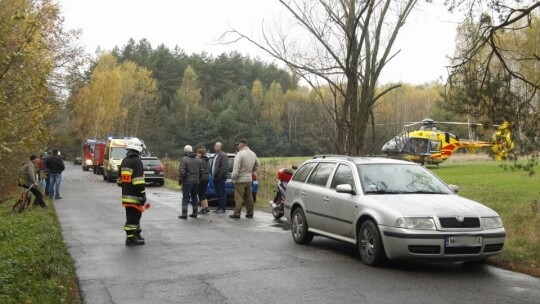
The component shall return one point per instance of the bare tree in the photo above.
(493, 18)
(493, 74)
(349, 43)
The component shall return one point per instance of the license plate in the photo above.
(463, 241)
(148, 172)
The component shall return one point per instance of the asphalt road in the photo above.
(214, 259)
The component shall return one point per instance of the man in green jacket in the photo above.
(245, 165)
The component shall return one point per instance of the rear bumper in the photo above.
(421, 245)
(154, 179)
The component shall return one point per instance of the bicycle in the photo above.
(24, 201)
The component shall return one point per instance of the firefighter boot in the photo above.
(195, 212)
(131, 235)
(138, 233)
(184, 214)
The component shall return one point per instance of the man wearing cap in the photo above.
(245, 164)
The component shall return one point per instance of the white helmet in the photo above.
(137, 146)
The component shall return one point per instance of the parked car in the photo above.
(390, 209)
(77, 161)
(229, 186)
(153, 171)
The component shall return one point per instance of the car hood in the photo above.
(433, 205)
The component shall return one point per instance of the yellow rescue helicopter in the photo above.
(429, 145)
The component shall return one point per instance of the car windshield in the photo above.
(151, 162)
(400, 179)
(118, 152)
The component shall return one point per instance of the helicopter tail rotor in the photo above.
(502, 143)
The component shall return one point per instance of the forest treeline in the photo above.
(170, 99)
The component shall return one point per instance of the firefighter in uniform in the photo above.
(131, 179)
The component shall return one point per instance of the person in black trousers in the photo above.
(220, 171)
(203, 183)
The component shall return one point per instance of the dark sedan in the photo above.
(153, 171)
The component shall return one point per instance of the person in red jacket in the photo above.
(131, 179)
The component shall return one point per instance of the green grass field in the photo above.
(35, 266)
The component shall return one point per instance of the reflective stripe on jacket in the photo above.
(131, 178)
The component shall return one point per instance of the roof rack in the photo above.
(396, 157)
(324, 156)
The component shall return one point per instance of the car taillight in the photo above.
(254, 176)
(159, 168)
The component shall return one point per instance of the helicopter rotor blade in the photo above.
(392, 124)
(410, 124)
(457, 123)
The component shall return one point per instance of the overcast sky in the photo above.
(425, 41)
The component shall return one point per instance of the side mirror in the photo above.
(454, 188)
(345, 188)
(295, 167)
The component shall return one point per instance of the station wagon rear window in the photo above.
(321, 174)
(303, 172)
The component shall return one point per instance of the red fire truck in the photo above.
(99, 153)
(88, 154)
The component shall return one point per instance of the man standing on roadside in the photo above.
(55, 165)
(28, 180)
(220, 170)
(245, 165)
(190, 175)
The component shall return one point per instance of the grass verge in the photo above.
(35, 266)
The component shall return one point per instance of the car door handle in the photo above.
(326, 199)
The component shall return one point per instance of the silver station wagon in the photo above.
(390, 209)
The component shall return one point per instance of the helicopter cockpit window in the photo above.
(417, 146)
(435, 146)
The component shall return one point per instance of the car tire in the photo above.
(161, 184)
(109, 177)
(370, 244)
(299, 227)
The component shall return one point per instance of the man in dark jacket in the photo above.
(131, 180)
(220, 170)
(28, 179)
(55, 165)
(190, 174)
